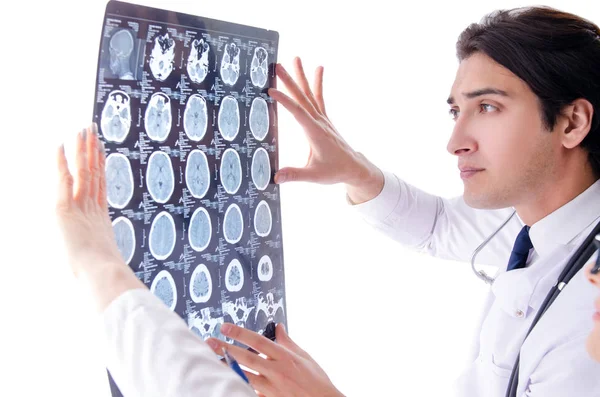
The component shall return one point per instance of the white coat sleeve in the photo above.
(445, 228)
(151, 352)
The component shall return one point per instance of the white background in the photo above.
(380, 319)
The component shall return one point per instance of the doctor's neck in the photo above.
(553, 193)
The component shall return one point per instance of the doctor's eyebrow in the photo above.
(476, 93)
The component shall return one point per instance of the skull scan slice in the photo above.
(120, 48)
(265, 268)
(262, 219)
(259, 118)
(197, 173)
(116, 117)
(229, 118)
(200, 230)
(200, 284)
(261, 169)
(234, 276)
(163, 286)
(159, 177)
(157, 119)
(231, 171)
(197, 64)
(195, 117)
(125, 237)
(162, 236)
(119, 180)
(259, 67)
(162, 57)
(233, 224)
(204, 325)
(230, 64)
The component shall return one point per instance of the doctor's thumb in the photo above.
(290, 174)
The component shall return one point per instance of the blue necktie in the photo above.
(520, 250)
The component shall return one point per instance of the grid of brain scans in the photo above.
(191, 150)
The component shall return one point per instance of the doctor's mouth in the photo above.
(468, 172)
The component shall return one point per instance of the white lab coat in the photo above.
(553, 360)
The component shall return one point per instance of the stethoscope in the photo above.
(577, 261)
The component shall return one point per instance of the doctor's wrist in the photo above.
(107, 282)
(367, 183)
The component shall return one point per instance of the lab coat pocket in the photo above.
(500, 370)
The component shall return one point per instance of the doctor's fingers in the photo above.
(318, 86)
(65, 182)
(244, 357)
(299, 94)
(82, 173)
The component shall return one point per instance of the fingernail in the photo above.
(95, 128)
(279, 178)
(101, 147)
(84, 133)
(212, 343)
(225, 328)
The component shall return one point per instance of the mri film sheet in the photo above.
(191, 149)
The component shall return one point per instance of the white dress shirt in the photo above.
(553, 360)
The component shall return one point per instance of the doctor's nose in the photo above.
(461, 141)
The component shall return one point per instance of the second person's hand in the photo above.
(331, 160)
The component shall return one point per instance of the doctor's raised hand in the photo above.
(82, 214)
(331, 160)
(287, 370)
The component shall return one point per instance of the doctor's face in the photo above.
(505, 155)
(593, 341)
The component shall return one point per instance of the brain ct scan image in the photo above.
(197, 63)
(162, 57)
(233, 224)
(125, 236)
(231, 171)
(261, 169)
(163, 286)
(159, 177)
(229, 118)
(195, 117)
(230, 64)
(259, 67)
(121, 47)
(119, 180)
(259, 118)
(162, 236)
(200, 230)
(197, 173)
(265, 268)
(116, 117)
(262, 219)
(234, 276)
(201, 284)
(157, 119)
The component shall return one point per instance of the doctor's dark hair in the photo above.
(556, 53)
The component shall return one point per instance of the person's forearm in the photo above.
(107, 282)
(368, 184)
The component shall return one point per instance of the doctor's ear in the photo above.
(574, 122)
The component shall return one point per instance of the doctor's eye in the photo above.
(487, 108)
(454, 113)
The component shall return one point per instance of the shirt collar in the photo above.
(554, 238)
(563, 225)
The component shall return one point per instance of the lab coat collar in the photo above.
(554, 239)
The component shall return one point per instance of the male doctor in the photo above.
(525, 101)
